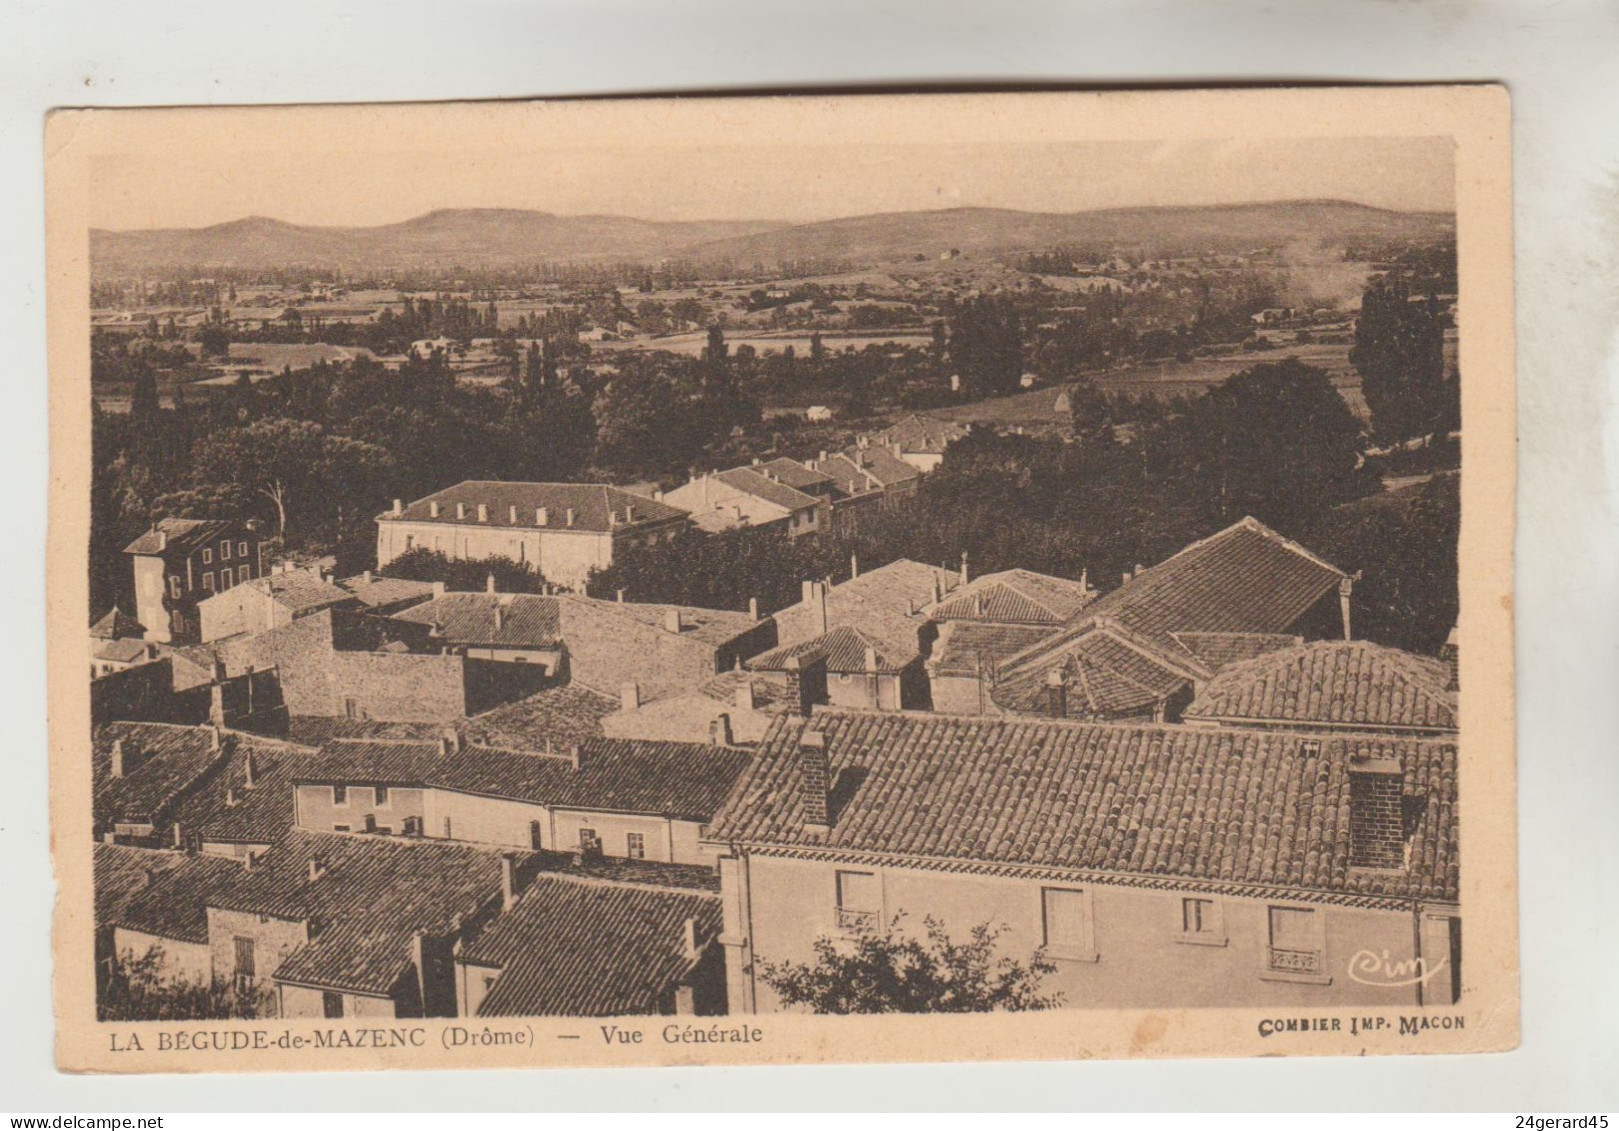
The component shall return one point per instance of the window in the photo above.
(635, 846)
(340, 795)
(410, 541)
(331, 1005)
(859, 901)
(381, 792)
(351, 708)
(446, 828)
(589, 841)
(1295, 941)
(534, 839)
(246, 962)
(341, 828)
(241, 549)
(1310, 748)
(224, 550)
(245, 573)
(1066, 916)
(174, 585)
(207, 556)
(208, 581)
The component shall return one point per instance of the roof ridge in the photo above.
(608, 882)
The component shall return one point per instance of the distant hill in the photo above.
(467, 237)
(507, 237)
(1156, 232)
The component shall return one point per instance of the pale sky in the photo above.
(383, 179)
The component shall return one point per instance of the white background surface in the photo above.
(1561, 62)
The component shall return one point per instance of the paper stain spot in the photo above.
(1149, 1032)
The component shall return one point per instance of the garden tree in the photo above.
(1276, 442)
(467, 575)
(1404, 543)
(143, 402)
(641, 424)
(290, 462)
(136, 992)
(1399, 352)
(986, 344)
(893, 971)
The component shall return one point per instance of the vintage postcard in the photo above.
(793, 579)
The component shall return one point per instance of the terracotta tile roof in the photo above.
(1246, 579)
(526, 620)
(125, 651)
(383, 591)
(921, 433)
(849, 477)
(967, 647)
(1333, 683)
(559, 715)
(159, 892)
(769, 691)
(876, 603)
(224, 808)
(679, 779)
(882, 465)
(117, 625)
(301, 591)
(182, 533)
(708, 626)
(754, 482)
(1016, 596)
(843, 649)
(595, 506)
(795, 474)
(1205, 804)
(1218, 649)
(161, 762)
(318, 730)
(578, 948)
(374, 893)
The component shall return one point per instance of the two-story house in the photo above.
(750, 497)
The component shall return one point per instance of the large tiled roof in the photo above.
(844, 650)
(376, 591)
(968, 647)
(597, 507)
(921, 433)
(318, 730)
(754, 482)
(849, 477)
(300, 590)
(124, 651)
(679, 779)
(883, 465)
(117, 625)
(1246, 579)
(526, 620)
(158, 892)
(160, 761)
(182, 533)
(769, 691)
(1333, 683)
(1216, 650)
(374, 893)
(581, 948)
(884, 604)
(559, 715)
(1015, 596)
(1108, 673)
(1266, 809)
(795, 474)
(224, 808)
(708, 626)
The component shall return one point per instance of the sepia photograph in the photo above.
(671, 581)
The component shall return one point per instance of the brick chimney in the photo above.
(439, 589)
(619, 593)
(630, 696)
(575, 756)
(511, 514)
(179, 836)
(508, 882)
(399, 507)
(674, 620)
(489, 583)
(500, 617)
(689, 940)
(250, 772)
(803, 682)
(1056, 694)
(819, 608)
(753, 608)
(629, 512)
(118, 758)
(568, 516)
(1376, 813)
(460, 510)
(854, 567)
(542, 516)
(964, 567)
(815, 780)
(432, 509)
